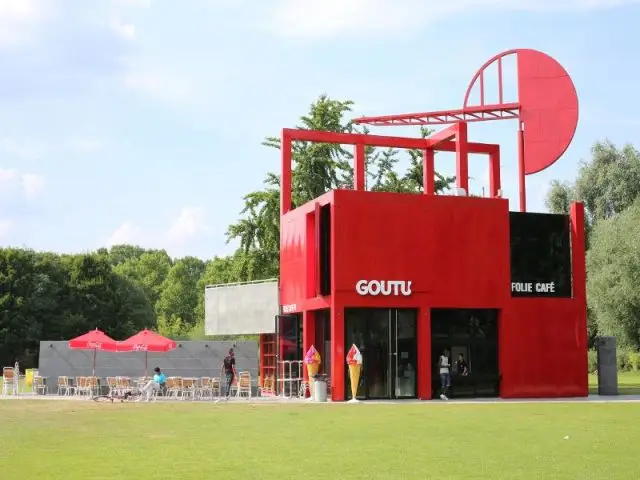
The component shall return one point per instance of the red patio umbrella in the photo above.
(94, 340)
(146, 341)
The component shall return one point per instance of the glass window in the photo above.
(541, 252)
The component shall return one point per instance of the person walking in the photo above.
(229, 369)
(445, 374)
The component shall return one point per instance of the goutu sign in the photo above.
(384, 287)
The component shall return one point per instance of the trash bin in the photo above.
(320, 387)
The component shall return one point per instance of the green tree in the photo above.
(607, 184)
(122, 253)
(176, 307)
(50, 297)
(560, 196)
(316, 169)
(149, 270)
(613, 266)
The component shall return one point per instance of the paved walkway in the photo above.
(281, 400)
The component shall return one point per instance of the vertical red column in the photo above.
(424, 353)
(428, 171)
(262, 359)
(285, 179)
(308, 334)
(521, 174)
(578, 262)
(359, 168)
(337, 351)
(462, 157)
(494, 173)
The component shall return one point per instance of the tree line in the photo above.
(609, 186)
(121, 290)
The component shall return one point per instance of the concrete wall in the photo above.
(241, 308)
(190, 359)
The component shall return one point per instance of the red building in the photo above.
(404, 276)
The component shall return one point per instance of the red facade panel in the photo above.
(455, 251)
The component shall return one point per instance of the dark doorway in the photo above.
(289, 347)
(323, 339)
(324, 232)
(472, 333)
(387, 339)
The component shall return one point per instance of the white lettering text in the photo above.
(291, 308)
(529, 287)
(383, 287)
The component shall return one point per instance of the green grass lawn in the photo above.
(75, 440)
(628, 383)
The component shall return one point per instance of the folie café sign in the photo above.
(384, 288)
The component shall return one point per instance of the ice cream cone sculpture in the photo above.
(354, 360)
(312, 360)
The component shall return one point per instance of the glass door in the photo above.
(368, 329)
(405, 352)
(387, 340)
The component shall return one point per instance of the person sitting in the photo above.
(154, 385)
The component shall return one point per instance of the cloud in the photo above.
(189, 223)
(126, 31)
(318, 19)
(127, 233)
(60, 49)
(7, 227)
(17, 18)
(32, 185)
(27, 185)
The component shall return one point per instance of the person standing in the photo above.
(229, 369)
(444, 366)
(462, 366)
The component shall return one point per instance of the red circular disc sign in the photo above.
(548, 106)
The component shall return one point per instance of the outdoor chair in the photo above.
(189, 387)
(174, 386)
(9, 381)
(243, 387)
(268, 387)
(216, 389)
(40, 385)
(82, 386)
(112, 385)
(205, 390)
(64, 386)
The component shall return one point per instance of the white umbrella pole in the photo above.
(94, 361)
(145, 362)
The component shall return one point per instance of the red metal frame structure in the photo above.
(441, 141)
(547, 111)
(455, 250)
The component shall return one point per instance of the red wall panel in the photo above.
(455, 250)
(456, 253)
